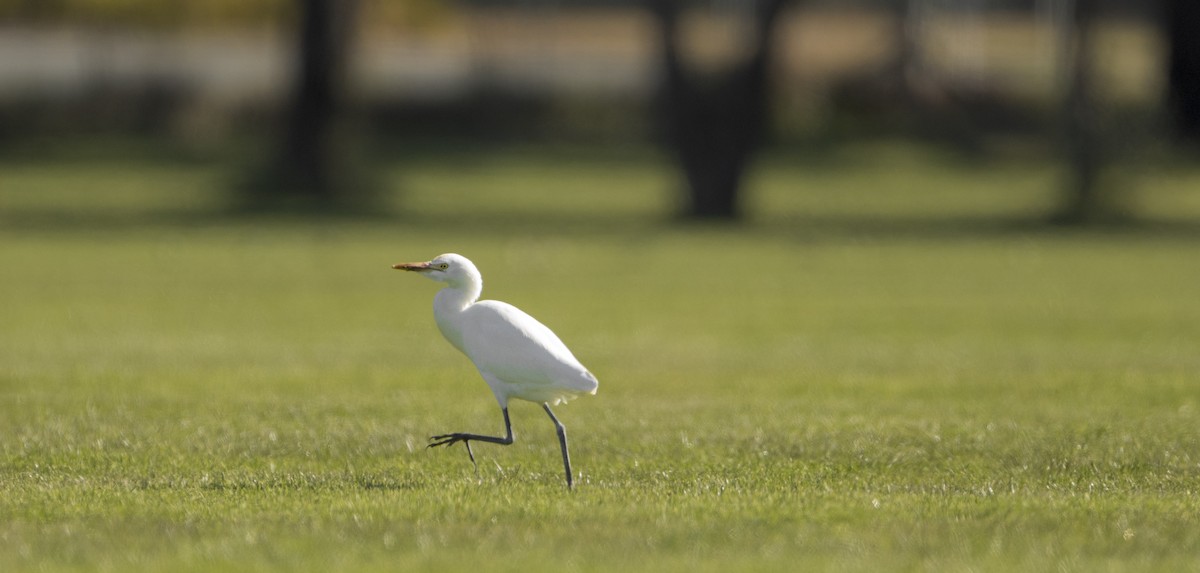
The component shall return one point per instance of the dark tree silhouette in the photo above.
(311, 169)
(1183, 66)
(1085, 201)
(714, 125)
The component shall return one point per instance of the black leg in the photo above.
(562, 440)
(450, 439)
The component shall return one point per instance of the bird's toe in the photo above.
(444, 440)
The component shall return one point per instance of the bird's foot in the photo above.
(448, 439)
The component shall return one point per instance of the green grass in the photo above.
(884, 370)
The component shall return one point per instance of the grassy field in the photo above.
(886, 369)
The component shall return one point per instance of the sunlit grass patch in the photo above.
(256, 393)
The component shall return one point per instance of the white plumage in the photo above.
(517, 356)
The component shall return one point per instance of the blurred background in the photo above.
(310, 105)
(820, 253)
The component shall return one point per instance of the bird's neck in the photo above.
(457, 297)
(448, 306)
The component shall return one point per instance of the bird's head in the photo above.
(452, 269)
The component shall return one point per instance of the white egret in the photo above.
(517, 356)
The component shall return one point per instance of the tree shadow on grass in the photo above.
(797, 229)
(834, 229)
(44, 220)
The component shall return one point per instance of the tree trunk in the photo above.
(310, 150)
(1084, 202)
(1183, 66)
(310, 171)
(714, 125)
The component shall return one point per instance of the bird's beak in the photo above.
(418, 267)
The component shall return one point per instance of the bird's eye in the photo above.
(444, 266)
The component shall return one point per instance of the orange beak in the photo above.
(417, 267)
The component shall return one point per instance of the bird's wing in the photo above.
(512, 346)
